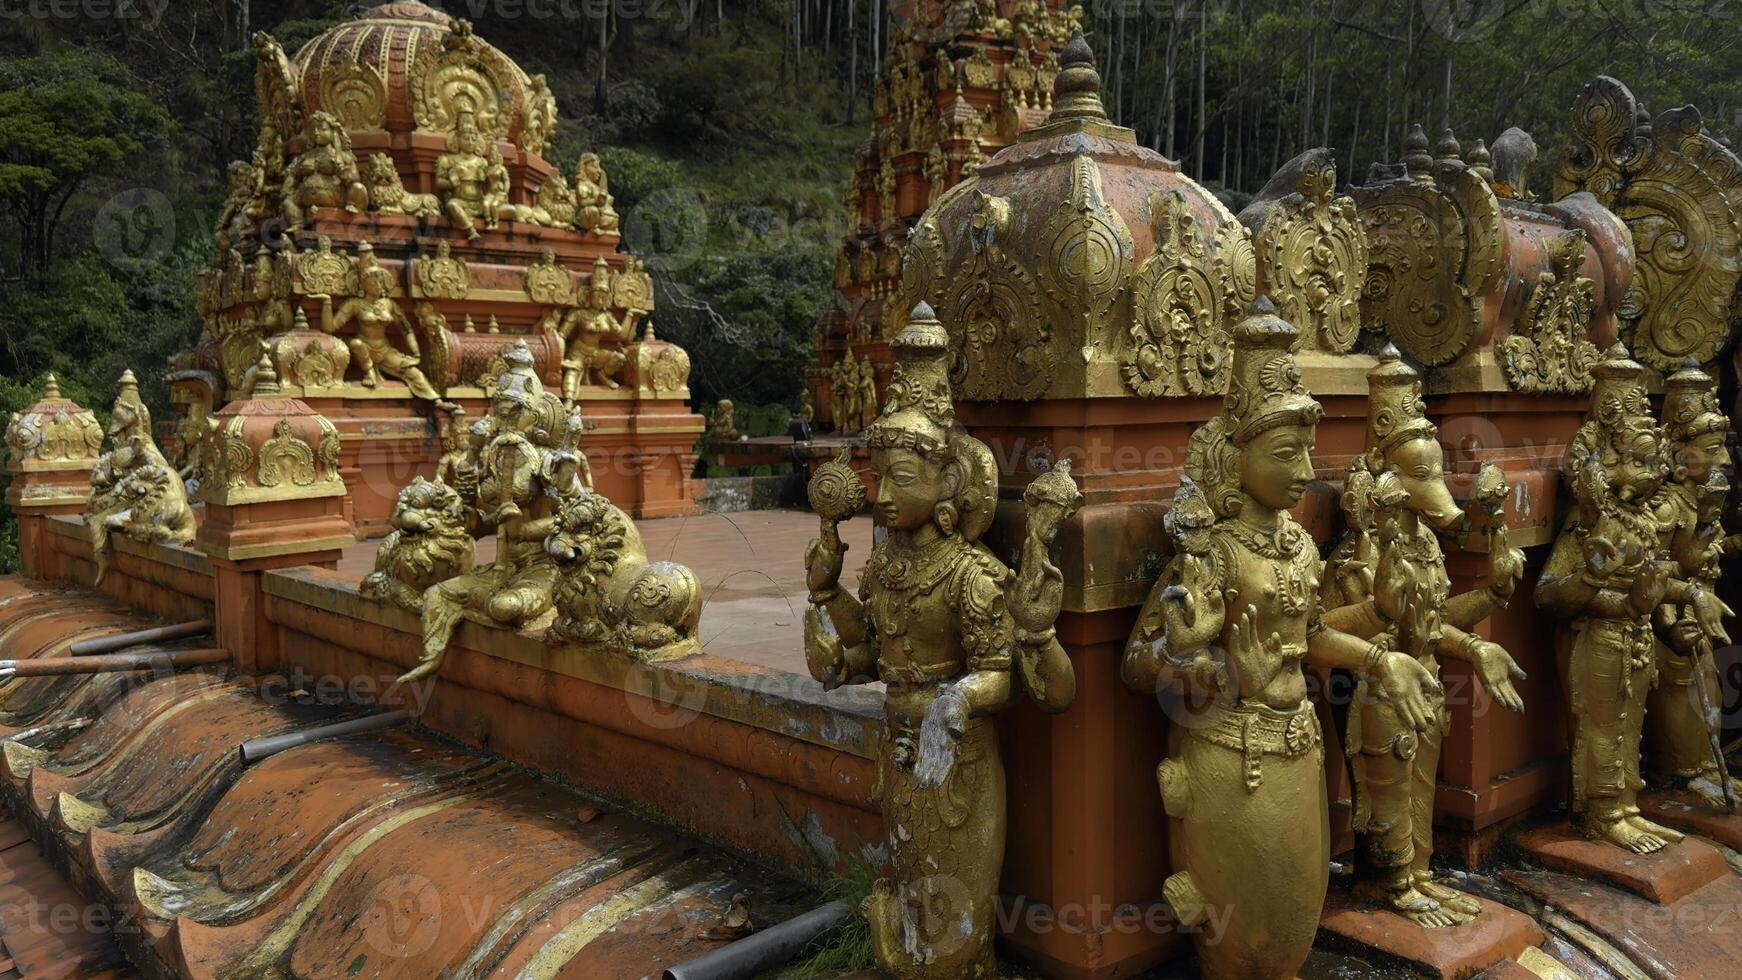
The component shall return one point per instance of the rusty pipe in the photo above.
(257, 749)
(156, 634)
(763, 950)
(109, 663)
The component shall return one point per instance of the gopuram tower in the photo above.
(960, 80)
(397, 230)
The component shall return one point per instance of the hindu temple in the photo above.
(1335, 587)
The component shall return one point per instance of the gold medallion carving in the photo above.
(1547, 351)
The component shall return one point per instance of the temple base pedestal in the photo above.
(1688, 813)
(1358, 927)
(1662, 877)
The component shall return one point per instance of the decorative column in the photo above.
(51, 448)
(274, 499)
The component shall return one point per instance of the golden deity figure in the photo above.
(525, 467)
(725, 420)
(325, 174)
(1233, 617)
(954, 636)
(246, 211)
(134, 490)
(463, 172)
(867, 393)
(586, 329)
(1683, 724)
(595, 209)
(1387, 582)
(1611, 576)
(375, 312)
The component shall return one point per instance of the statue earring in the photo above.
(946, 518)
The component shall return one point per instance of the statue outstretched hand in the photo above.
(1498, 670)
(1404, 682)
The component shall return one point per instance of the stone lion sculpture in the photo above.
(609, 594)
(428, 544)
(387, 194)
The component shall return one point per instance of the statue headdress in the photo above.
(1690, 404)
(919, 416)
(1264, 392)
(518, 381)
(1395, 410)
(129, 416)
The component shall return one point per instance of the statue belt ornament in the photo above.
(916, 673)
(1256, 730)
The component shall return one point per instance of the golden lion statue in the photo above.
(387, 194)
(428, 544)
(609, 594)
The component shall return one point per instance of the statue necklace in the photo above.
(1281, 546)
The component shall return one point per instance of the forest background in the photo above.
(728, 128)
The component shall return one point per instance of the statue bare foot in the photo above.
(1659, 831)
(1618, 831)
(879, 909)
(1710, 789)
(1449, 898)
(1422, 910)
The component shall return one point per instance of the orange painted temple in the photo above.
(1335, 584)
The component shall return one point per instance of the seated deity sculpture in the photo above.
(955, 637)
(325, 174)
(525, 467)
(586, 329)
(134, 490)
(463, 174)
(595, 210)
(375, 312)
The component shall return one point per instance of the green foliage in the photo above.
(64, 118)
(845, 948)
(634, 174)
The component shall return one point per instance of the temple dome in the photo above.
(405, 67)
(1077, 262)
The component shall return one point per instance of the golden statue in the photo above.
(584, 331)
(375, 312)
(595, 207)
(524, 465)
(867, 392)
(387, 194)
(1387, 582)
(725, 420)
(1234, 615)
(463, 172)
(428, 545)
(954, 636)
(324, 175)
(1682, 721)
(609, 593)
(1608, 575)
(134, 490)
(245, 211)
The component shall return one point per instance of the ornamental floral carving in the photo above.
(52, 430)
(285, 458)
(1311, 252)
(1547, 352)
(1179, 330)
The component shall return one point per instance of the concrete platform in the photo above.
(750, 564)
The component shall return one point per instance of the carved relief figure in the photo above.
(442, 276)
(463, 173)
(586, 329)
(1234, 615)
(867, 392)
(595, 210)
(387, 194)
(1547, 350)
(1404, 600)
(134, 490)
(1682, 720)
(955, 637)
(325, 174)
(374, 311)
(725, 420)
(1608, 575)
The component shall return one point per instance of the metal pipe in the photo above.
(114, 662)
(760, 951)
(262, 748)
(156, 634)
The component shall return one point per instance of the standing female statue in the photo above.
(1234, 615)
(955, 637)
